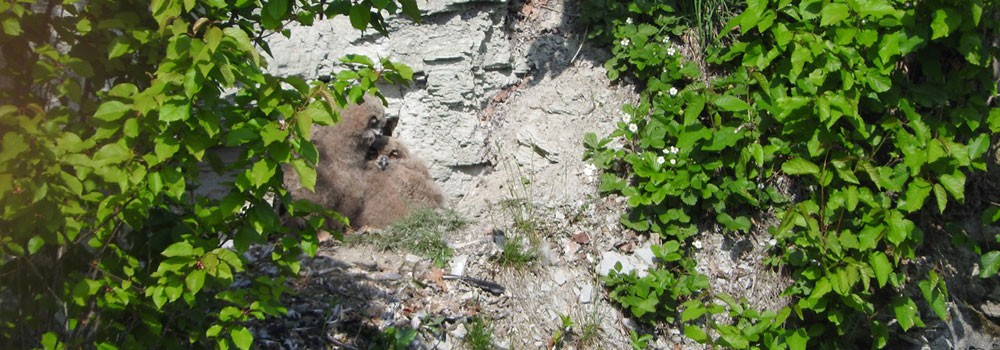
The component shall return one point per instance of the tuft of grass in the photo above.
(563, 333)
(479, 335)
(582, 335)
(515, 254)
(591, 327)
(526, 229)
(421, 233)
(711, 16)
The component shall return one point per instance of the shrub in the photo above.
(861, 104)
(108, 108)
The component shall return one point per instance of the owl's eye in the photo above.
(394, 154)
(373, 121)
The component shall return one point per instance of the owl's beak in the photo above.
(383, 162)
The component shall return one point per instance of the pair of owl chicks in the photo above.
(364, 173)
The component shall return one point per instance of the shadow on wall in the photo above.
(562, 39)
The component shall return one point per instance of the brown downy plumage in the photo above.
(342, 150)
(396, 184)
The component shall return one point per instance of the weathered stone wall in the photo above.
(461, 58)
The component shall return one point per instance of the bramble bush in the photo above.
(107, 110)
(876, 109)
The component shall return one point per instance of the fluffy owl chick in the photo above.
(396, 184)
(342, 150)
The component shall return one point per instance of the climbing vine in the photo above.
(876, 111)
(109, 113)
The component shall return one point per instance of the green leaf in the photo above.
(50, 341)
(693, 309)
(179, 249)
(844, 279)
(35, 243)
(195, 280)
(800, 166)
(11, 26)
(797, 339)
(272, 133)
(945, 20)
(175, 109)
(242, 337)
(410, 9)
(360, 16)
(990, 215)
(941, 196)
(739, 223)
(916, 194)
(730, 103)
(111, 111)
(213, 331)
(695, 333)
(833, 13)
(318, 113)
(166, 147)
(899, 227)
(906, 313)
(307, 174)
(993, 120)
(821, 288)
(277, 9)
(880, 263)
(120, 45)
(931, 288)
(262, 172)
(955, 184)
(989, 263)
(112, 153)
(725, 137)
(243, 41)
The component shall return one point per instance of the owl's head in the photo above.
(368, 121)
(383, 152)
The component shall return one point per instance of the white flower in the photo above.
(633, 128)
(660, 160)
(628, 20)
(627, 118)
(625, 42)
(671, 150)
(673, 162)
(771, 242)
(671, 50)
(672, 91)
(666, 39)
(696, 244)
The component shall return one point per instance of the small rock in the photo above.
(645, 253)
(441, 345)
(559, 276)
(323, 236)
(410, 258)
(388, 276)
(571, 247)
(459, 332)
(548, 255)
(586, 293)
(458, 264)
(629, 263)
(581, 237)
(991, 309)
(499, 237)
